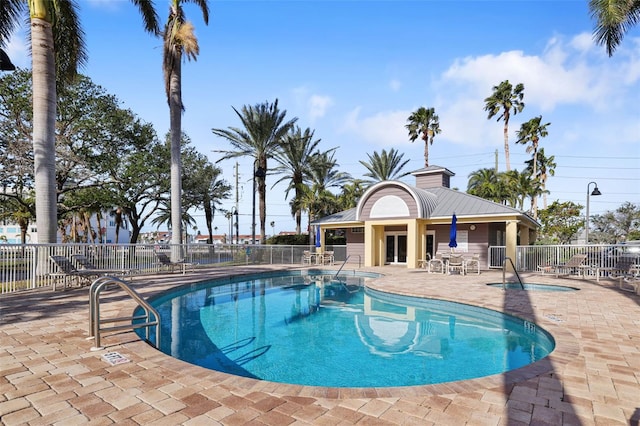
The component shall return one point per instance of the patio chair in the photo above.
(572, 266)
(307, 257)
(164, 261)
(436, 265)
(328, 258)
(473, 263)
(456, 263)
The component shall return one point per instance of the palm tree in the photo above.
(351, 193)
(218, 190)
(423, 123)
(385, 166)
(531, 132)
(613, 19)
(545, 166)
(264, 130)
(57, 50)
(502, 101)
(295, 156)
(484, 183)
(179, 38)
(164, 215)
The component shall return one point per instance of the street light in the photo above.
(595, 191)
(257, 173)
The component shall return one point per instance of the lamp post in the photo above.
(595, 191)
(257, 173)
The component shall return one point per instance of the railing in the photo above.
(150, 318)
(504, 273)
(27, 267)
(528, 258)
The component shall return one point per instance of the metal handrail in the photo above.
(342, 266)
(95, 322)
(504, 263)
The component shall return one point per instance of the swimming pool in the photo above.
(319, 331)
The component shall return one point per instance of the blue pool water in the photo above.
(318, 331)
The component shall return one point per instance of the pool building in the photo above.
(396, 223)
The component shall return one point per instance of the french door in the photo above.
(396, 248)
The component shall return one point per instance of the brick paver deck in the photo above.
(49, 375)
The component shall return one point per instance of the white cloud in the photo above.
(395, 85)
(571, 83)
(318, 106)
(385, 128)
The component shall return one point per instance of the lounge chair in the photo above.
(631, 283)
(67, 270)
(87, 265)
(456, 263)
(164, 260)
(572, 266)
(622, 268)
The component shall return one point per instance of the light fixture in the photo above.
(472, 227)
(595, 191)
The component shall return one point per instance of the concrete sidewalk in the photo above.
(49, 375)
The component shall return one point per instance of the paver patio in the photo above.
(49, 375)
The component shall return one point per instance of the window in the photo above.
(359, 230)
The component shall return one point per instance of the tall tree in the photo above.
(423, 123)
(57, 50)
(484, 183)
(351, 193)
(560, 222)
(264, 128)
(295, 156)
(385, 166)
(531, 132)
(504, 100)
(623, 224)
(613, 19)
(204, 187)
(546, 166)
(179, 38)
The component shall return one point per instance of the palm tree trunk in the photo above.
(175, 110)
(506, 143)
(44, 121)
(262, 192)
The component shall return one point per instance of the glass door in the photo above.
(396, 248)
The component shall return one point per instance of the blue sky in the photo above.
(355, 70)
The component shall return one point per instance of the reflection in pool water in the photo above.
(319, 331)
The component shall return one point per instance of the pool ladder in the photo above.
(95, 323)
(504, 269)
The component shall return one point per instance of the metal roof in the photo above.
(436, 202)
